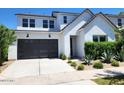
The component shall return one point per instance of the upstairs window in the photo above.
(95, 38)
(25, 22)
(32, 22)
(119, 22)
(65, 19)
(99, 38)
(45, 23)
(51, 24)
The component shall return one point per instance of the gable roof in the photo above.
(99, 14)
(86, 10)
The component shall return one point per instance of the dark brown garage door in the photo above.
(37, 48)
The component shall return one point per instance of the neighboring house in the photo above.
(40, 36)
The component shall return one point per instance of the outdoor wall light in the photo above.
(27, 35)
(49, 35)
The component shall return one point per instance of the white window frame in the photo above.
(27, 22)
(98, 36)
(119, 19)
(47, 23)
(33, 23)
(64, 19)
(52, 24)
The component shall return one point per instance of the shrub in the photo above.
(97, 48)
(4, 53)
(80, 67)
(115, 63)
(107, 56)
(74, 64)
(69, 61)
(120, 50)
(88, 59)
(63, 57)
(98, 65)
(120, 54)
(119, 34)
(119, 45)
(69, 58)
(1, 62)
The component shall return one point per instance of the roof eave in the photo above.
(39, 31)
(35, 15)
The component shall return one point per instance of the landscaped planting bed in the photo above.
(116, 80)
(107, 54)
(76, 64)
(90, 67)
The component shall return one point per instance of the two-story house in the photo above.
(41, 36)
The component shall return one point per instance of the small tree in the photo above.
(120, 44)
(7, 37)
(119, 34)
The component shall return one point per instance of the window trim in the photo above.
(98, 37)
(47, 25)
(50, 25)
(65, 20)
(119, 22)
(25, 22)
(32, 23)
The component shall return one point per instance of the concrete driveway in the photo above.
(36, 67)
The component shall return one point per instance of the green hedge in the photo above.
(96, 49)
(4, 53)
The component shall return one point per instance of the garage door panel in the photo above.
(37, 48)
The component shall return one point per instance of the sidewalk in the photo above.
(74, 77)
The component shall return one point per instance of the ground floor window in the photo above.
(100, 38)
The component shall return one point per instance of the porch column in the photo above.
(67, 46)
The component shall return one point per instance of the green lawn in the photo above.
(116, 80)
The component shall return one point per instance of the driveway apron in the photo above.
(53, 66)
(35, 67)
(22, 68)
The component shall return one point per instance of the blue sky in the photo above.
(8, 18)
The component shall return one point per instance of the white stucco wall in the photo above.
(97, 27)
(12, 51)
(38, 23)
(59, 18)
(34, 35)
(72, 29)
(80, 44)
(58, 22)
